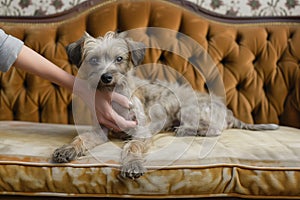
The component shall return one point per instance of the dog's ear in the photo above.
(137, 50)
(74, 51)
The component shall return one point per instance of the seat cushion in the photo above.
(238, 163)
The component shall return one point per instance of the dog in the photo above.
(109, 63)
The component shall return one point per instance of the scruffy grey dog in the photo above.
(108, 64)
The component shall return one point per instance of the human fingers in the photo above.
(121, 99)
(112, 120)
(111, 125)
(122, 123)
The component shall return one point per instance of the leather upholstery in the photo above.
(259, 62)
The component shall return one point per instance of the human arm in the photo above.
(26, 59)
(34, 63)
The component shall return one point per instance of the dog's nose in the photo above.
(106, 78)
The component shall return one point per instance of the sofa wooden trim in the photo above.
(86, 5)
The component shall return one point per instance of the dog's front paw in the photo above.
(64, 154)
(133, 169)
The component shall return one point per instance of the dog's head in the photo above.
(104, 60)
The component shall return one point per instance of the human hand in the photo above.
(108, 116)
(99, 103)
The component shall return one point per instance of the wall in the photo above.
(227, 7)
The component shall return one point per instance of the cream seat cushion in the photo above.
(232, 164)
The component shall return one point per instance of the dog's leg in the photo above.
(132, 158)
(202, 127)
(206, 117)
(78, 147)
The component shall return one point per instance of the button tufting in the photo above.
(238, 87)
(255, 60)
(265, 88)
(278, 62)
(40, 109)
(25, 84)
(223, 61)
(238, 38)
(14, 113)
(207, 37)
(269, 36)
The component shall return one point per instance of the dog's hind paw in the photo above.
(133, 169)
(64, 154)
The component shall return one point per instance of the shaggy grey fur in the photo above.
(108, 63)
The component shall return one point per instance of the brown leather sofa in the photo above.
(258, 60)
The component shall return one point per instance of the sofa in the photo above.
(256, 59)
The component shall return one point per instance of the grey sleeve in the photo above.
(10, 48)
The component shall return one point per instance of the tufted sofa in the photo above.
(258, 60)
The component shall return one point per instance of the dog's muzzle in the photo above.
(106, 78)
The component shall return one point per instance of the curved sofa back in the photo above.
(257, 60)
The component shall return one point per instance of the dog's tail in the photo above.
(236, 123)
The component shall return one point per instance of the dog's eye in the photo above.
(94, 61)
(119, 59)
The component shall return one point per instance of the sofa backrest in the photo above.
(258, 59)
